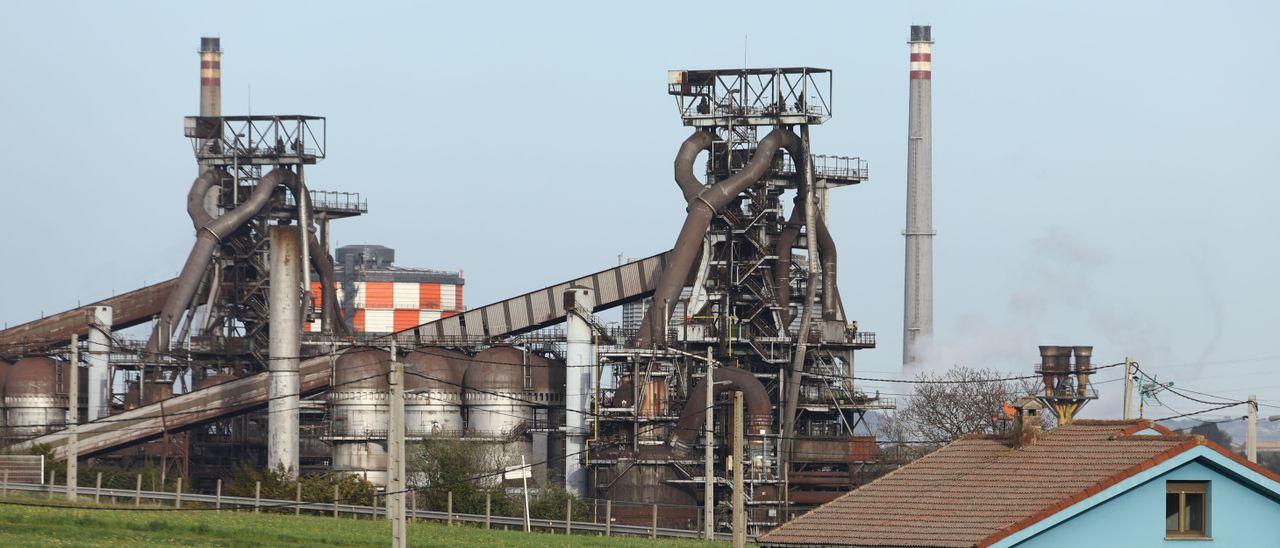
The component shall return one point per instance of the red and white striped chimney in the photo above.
(210, 76)
(917, 316)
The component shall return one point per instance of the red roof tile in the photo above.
(977, 487)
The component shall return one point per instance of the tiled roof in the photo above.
(978, 489)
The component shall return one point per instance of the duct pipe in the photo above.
(207, 239)
(759, 410)
(322, 262)
(811, 287)
(99, 385)
(832, 309)
(702, 208)
(580, 355)
(689, 150)
(284, 348)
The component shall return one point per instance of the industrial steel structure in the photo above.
(745, 301)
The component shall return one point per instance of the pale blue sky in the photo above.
(1104, 170)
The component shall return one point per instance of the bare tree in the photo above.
(944, 407)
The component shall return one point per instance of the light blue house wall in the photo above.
(1242, 511)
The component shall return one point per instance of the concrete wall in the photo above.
(1238, 516)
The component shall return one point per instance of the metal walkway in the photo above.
(521, 314)
(537, 309)
(129, 309)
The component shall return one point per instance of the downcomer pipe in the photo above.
(754, 394)
(702, 208)
(207, 238)
(330, 310)
(831, 306)
(689, 151)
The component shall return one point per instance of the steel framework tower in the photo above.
(917, 315)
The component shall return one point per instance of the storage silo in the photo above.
(360, 413)
(35, 397)
(433, 383)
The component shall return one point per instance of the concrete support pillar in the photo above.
(285, 304)
(99, 389)
(580, 352)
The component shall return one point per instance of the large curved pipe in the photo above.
(196, 196)
(330, 310)
(759, 410)
(831, 303)
(207, 238)
(689, 151)
(702, 208)
(826, 247)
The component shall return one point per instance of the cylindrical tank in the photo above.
(433, 392)
(360, 410)
(35, 397)
(495, 396)
(4, 374)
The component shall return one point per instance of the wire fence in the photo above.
(603, 519)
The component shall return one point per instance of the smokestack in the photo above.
(918, 289)
(210, 76)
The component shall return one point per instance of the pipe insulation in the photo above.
(207, 238)
(709, 201)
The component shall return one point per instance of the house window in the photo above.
(1186, 509)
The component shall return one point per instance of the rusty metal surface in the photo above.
(834, 450)
(537, 309)
(128, 309)
(179, 412)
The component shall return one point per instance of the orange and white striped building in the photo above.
(378, 297)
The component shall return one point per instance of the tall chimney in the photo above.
(210, 76)
(918, 298)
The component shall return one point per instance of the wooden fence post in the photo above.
(568, 517)
(335, 501)
(608, 518)
(449, 522)
(413, 506)
(297, 499)
(6, 482)
(137, 492)
(177, 494)
(97, 489)
(217, 503)
(53, 476)
(653, 530)
(257, 496)
(488, 499)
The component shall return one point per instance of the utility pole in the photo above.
(395, 450)
(1251, 441)
(709, 465)
(1128, 388)
(73, 408)
(739, 498)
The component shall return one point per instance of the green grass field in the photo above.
(36, 526)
